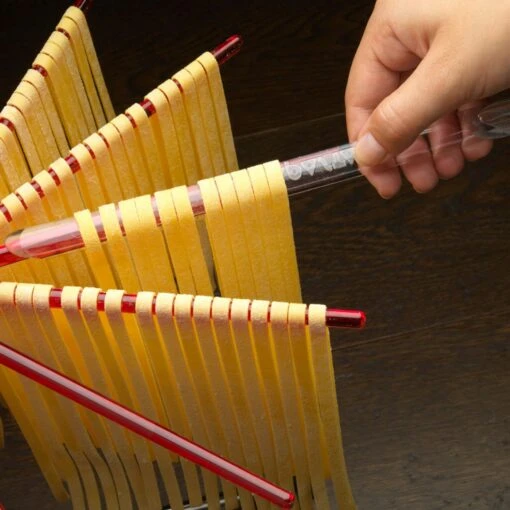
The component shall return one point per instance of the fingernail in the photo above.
(369, 151)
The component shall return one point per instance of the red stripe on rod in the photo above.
(335, 317)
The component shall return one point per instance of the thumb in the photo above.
(431, 91)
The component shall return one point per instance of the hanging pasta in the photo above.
(236, 375)
(248, 229)
(59, 102)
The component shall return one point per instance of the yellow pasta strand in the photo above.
(184, 136)
(281, 209)
(160, 360)
(14, 115)
(60, 93)
(219, 390)
(194, 114)
(115, 374)
(135, 158)
(152, 164)
(172, 332)
(118, 249)
(291, 404)
(165, 133)
(211, 67)
(96, 257)
(208, 118)
(38, 81)
(27, 100)
(219, 239)
(268, 373)
(105, 168)
(152, 265)
(320, 348)
(89, 373)
(78, 17)
(72, 30)
(239, 235)
(120, 160)
(65, 359)
(91, 186)
(61, 72)
(71, 66)
(140, 383)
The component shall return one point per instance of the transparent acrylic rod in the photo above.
(144, 427)
(301, 174)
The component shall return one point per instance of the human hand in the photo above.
(423, 64)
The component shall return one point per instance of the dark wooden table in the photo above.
(424, 388)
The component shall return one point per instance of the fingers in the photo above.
(445, 143)
(418, 166)
(473, 148)
(385, 178)
(431, 91)
(374, 76)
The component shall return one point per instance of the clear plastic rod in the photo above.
(300, 174)
(144, 427)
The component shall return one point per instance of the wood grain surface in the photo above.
(424, 388)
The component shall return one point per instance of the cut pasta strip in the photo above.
(298, 340)
(143, 386)
(38, 81)
(166, 137)
(90, 373)
(28, 102)
(158, 355)
(322, 363)
(96, 257)
(251, 380)
(71, 66)
(108, 353)
(194, 114)
(118, 250)
(152, 265)
(12, 159)
(175, 241)
(184, 136)
(71, 29)
(210, 64)
(65, 359)
(281, 209)
(91, 186)
(78, 17)
(63, 414)
(208, 117)
(258, 258)
(269, 377)
(120, 160)
(153, 165)
(219, 389)
(27, 143)
(105, 168)
(131, 145)
(53, 50)
(183, 241)
(219, 240)
(173, 332)
(60, 93)
(238, 235)
(290, 400)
